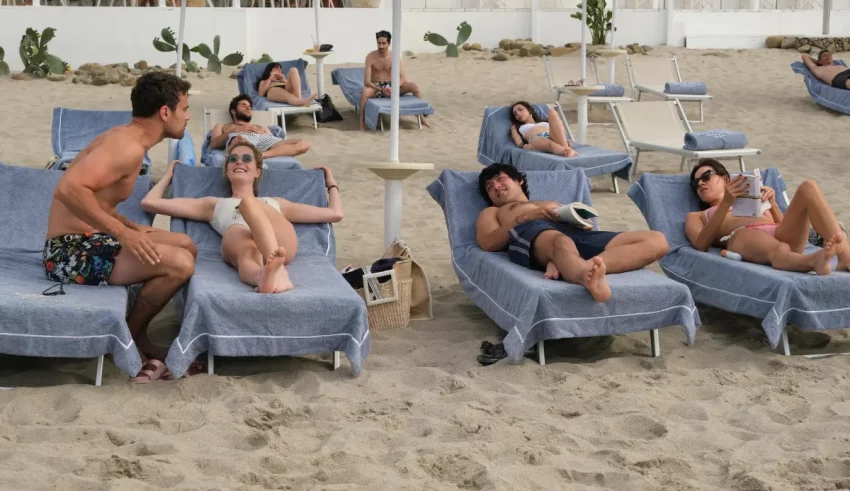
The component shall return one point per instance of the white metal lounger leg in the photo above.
(682, 164)
(786, 348)
(616, 186)
(283, 122)
(336, 359)
(210, 362)
(315, 123)
(541, 354)
(701, 112)
(419, 120)
(741, 163)
(98, 378)
(637, 157)
(654, 343)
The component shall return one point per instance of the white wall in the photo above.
(118, 34)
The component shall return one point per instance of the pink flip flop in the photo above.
(152, 371)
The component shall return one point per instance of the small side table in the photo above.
(582, 91)
(319, 56)
(393, 173)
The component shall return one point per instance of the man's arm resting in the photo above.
(489, 235)
(219, 137)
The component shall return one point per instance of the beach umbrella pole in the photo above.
(582, 98)
(612, 60)
(393, 192)
(172, 143)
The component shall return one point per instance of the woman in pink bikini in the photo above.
(775, 238)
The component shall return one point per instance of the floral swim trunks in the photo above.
(84, 259)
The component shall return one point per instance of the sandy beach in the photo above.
(724, 413)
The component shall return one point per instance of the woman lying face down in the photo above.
(257, 236)
(773, 238)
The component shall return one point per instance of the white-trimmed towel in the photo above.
(261, 141)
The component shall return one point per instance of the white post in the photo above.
(582, 99)
(316, 4)
(392, 210)
(35, 3)
(827, 8)
(172, 143)
(535, 5)
(162, 3)
(612, 60)
(395, 80)
(669, 4)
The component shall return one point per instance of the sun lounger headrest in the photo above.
(25, 197)
(458, 196)
(301, 186)
(665, 200)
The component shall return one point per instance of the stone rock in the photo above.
(505, 44)
(184, 74)
(832, 48)
(524, 51)
(718, 54)
(466, 46)
(141, 65)
(136, 72)
(130, 81)
(513, 52)
(82, 79)
(500, 57)
(203, 75)
(98, 71)
(56, 78)
(774, 42)
(499, 50)
(536, 50)
(646, 48)
(99, 81)
(804, 48)
(517, 44)
(476, 47)
(557, 51)
(234, 74)
(113, 76)
(87, 67)
(407, 52)
(22, 76)
(788, 43)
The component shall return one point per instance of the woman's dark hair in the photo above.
(267, 73)
(517, 123)
(493, 170)
(718, 169)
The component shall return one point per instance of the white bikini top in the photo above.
(226, 213)
(527, 126)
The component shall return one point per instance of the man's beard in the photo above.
(243, 117)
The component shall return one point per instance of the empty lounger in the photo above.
(777, 297)
(653, 75)
(532, 309)
(85, 322)
(225, 317)
(350, 81)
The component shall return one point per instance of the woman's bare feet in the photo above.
(825, 255)
(309, 100)
(569, 152)
(595, 281)
(842, 251)
(552, 272)
(274, 277)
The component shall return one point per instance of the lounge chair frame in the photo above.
(638, 89)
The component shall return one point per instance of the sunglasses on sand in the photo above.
(703, 178)
(233, 158)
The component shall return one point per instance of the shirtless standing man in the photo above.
(837, 76)
(377, 76)
(241, 109)
(535, 240)
(89, 243)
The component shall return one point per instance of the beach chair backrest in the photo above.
(562, 69)
(458, 195)
(73, 129)
(350, 81)
(655, 122)
(300, 186)
(25, 197)
(651, 71)
(665, 201)
(250, 74)
(213, 117)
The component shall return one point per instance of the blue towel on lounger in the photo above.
(715, 140)
(610, 90)
(686, 88)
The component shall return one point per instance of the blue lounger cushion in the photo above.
(496, 146)
(610, 90)
(715, 140)
(823, 94)
(350, 81)
(531, 308)
(686, 88)
(225, 316)
(776, 297)
(86, 322)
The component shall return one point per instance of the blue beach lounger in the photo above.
(350, 81)
(225, 317)
(85, 322)
(777, 297)
(212, 157)
(250, 74)
(496, 146)
(823, 94)
(532, 309)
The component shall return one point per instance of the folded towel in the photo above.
(686, 88)
(715, 140)
(610, 90)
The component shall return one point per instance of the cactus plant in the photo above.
(33, 50)
(265, 58)
(598, 20)
(213, 61)
(4, 68)
(464, 31)
(168, 44)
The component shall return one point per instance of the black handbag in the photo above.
(328, 112)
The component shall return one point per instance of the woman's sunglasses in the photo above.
(703, 178)
(233, 158)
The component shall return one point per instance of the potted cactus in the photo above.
(464, 31)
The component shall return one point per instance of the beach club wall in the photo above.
(124, 34)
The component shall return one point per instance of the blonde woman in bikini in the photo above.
(257, 236)
(774, 239)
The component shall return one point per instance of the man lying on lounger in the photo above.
(837, 76)
(534, 239)
(377, 76)
(90, 243)
(241, 130)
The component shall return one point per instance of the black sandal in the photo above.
(492, 353)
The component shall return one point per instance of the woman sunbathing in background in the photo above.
(775, 238)
(274, 86)
(530, 132)
(257, 236)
